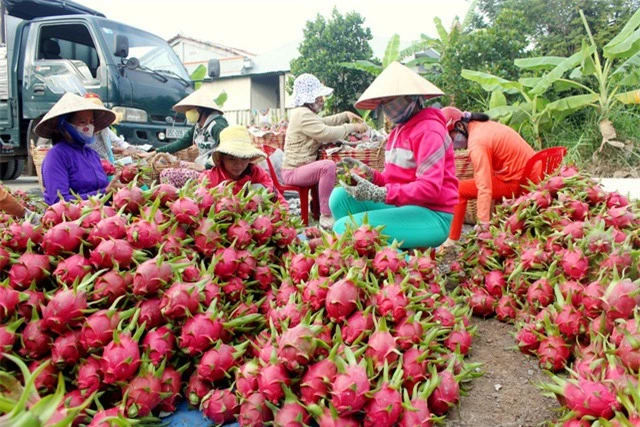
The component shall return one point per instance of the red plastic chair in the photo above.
(549, 160)
(303, 192)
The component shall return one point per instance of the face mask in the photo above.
(85, 130)
(460, 141)
(192, 115)
(401, 109)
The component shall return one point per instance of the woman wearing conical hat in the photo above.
(235, 163)
(414, 196)
(72, 168)
(200, 108)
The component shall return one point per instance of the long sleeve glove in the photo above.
(365, 190)
(356, 164)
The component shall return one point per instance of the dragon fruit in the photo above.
(159, 344)
(72, 269)
(143, 394)
(121, 358)
(341, 300)
(180, 300)
(200, 333)
(28, 268)
(553, 353)
(65, 310)
(111, 285)
(254, 411)
(64, 237)
(66, 349)
(270, 381)
(170, 390)
(89, 377)
(215, 363)
(445, 395)
(220, 406)
(35, 342)
(151, 276)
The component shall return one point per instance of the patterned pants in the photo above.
(178, 177)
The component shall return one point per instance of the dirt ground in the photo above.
(506, 395)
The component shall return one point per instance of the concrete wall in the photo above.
(193, 54)
(264, 92)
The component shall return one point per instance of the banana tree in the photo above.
(527, 112)
(616, 74)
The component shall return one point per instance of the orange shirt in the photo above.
(495, 150)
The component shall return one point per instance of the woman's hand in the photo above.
(114, 184)
(353, 117)
(141, 154)
(192, 166)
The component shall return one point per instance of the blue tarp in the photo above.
(188, 417)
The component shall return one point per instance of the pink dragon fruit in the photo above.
(254, 411)
(553, 353)
(143, 394)
(180, 300)
(159, 344)
(63, 237)
(120, 358)
(200, 333)
(89, 377)
(220, 406)
(341, 300)
(71, 269)
(270, 381)
(66, 349)
(28, 268)
(65, 310)
(445, 395)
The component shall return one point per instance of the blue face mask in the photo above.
(78, 138)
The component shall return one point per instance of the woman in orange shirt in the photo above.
(498, 154)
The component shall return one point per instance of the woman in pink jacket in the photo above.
(414, 197)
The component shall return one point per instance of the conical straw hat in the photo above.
(72, 103)
(236, 141)
(396, 80)
(203, 97)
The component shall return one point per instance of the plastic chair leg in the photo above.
(315, 202)
(304, 206)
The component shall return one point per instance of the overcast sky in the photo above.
(259, 26)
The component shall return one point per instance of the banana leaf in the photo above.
(587, 65)
(497, 99)
(417, 46)
(573, 103)
(221, 99)
(631, 97)
(391, 52)
(198, 74)
(626, 48)
(549, 78)
(539, 62)
(363, 65)
(631, 79)
(505, 111)
(633, 62)
(616, 46)
(471, 12)
(529, 81)
(442, 32)
(490, 82)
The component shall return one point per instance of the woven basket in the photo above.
(464, 170)
(160, 162)
(372, 157)
(275, 140)
(38, 155)
(188, 154)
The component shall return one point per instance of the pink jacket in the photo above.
(254, 174)
(419, 166)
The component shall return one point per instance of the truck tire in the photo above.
(19, 168)
(7, 170)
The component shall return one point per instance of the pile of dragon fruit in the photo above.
(133, 304)
(562, 263)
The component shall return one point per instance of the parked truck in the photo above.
(49, 47)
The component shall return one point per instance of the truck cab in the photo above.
(136, 74)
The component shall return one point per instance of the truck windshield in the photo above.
(152, 52)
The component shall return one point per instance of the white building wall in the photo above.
(237, 108)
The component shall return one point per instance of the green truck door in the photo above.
(60, 57)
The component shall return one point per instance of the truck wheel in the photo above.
(7, 170)
(19, 168)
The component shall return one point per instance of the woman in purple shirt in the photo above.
(72, 168)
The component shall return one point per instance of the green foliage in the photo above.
(491, 50)
(327, 44)
(554, 27)
(198, 75)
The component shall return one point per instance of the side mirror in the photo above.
(122, 46)
(213, 68)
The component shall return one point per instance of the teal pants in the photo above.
(414, 226)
